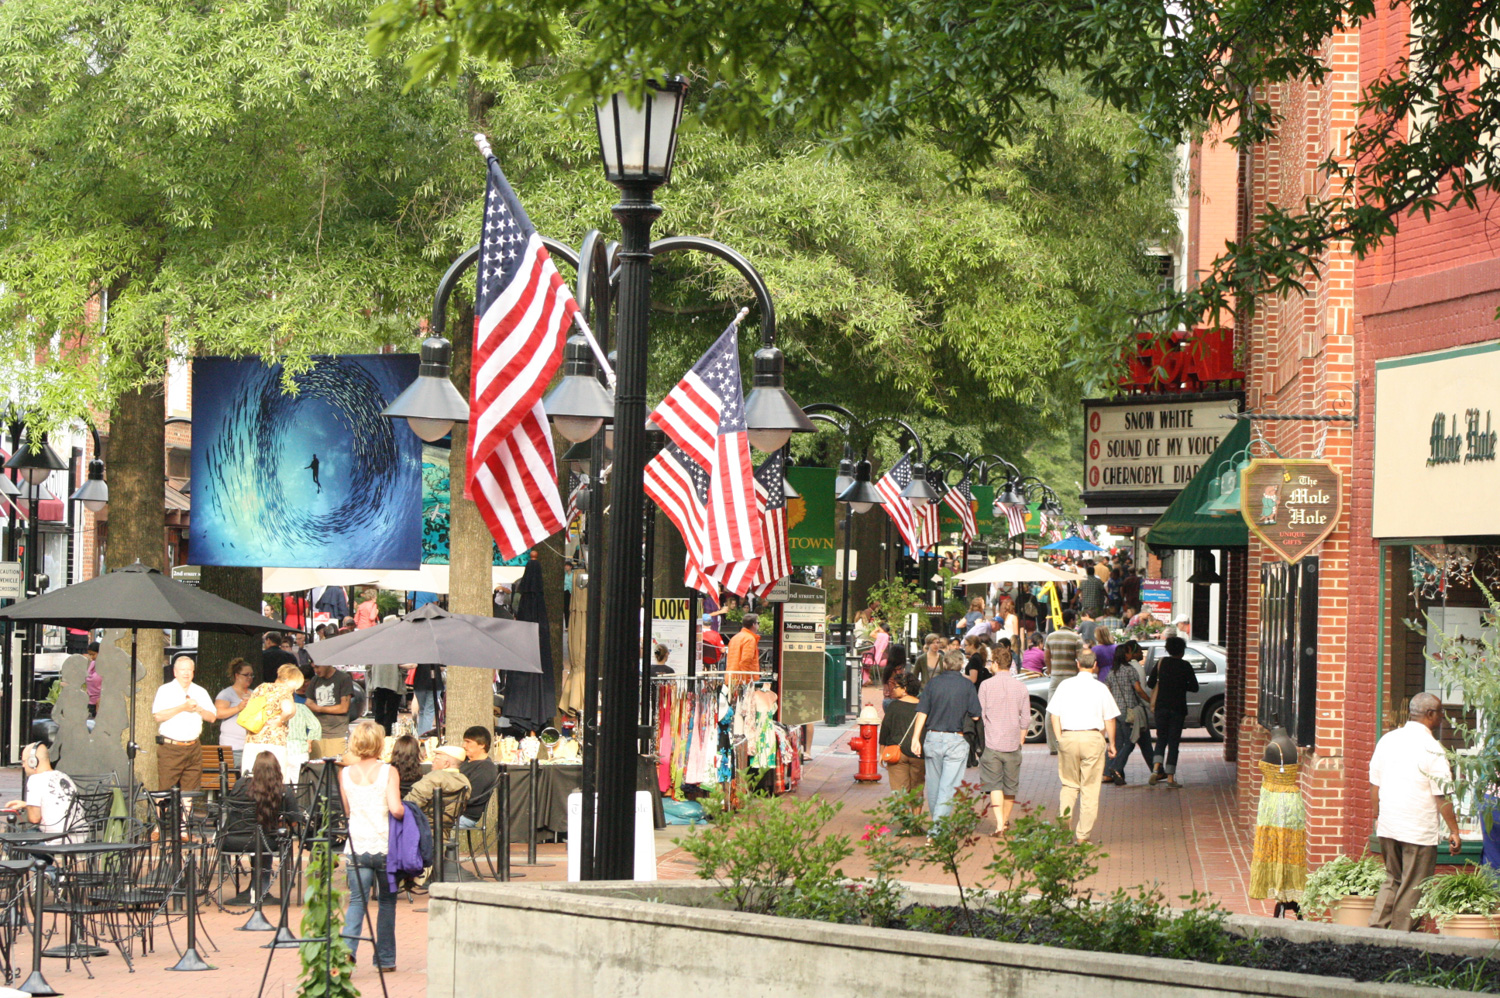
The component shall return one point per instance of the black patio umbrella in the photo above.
(137, 596)
(433, 635)
(531, 700)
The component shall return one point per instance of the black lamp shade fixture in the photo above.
(1205, 570)
(577, 457)
(1052, 508)
(579, 406)
(1012, 495)
(8, 487)
(638, 144)
(846, 473)
(431, 405)
(770, 414)
(919, 487)
(94, 492)
(861, 495)
(35, 467)
(786, 488)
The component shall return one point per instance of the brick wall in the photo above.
(1302, 361)
(1435, 285)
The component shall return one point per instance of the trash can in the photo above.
(835, 685)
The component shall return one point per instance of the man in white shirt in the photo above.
(51, 798)
(180, 708)
(1081, 716)
(1410, 775)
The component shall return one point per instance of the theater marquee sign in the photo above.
(1437, 421)
(1140, 445)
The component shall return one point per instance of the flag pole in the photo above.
(483, 142)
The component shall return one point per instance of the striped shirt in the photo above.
(1064, 646)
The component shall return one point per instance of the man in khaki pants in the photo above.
(1081, 715)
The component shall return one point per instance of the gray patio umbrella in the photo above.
(137, 596)
(433, 635)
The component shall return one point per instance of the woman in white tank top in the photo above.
(372, 796)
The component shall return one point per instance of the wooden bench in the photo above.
(212, 756)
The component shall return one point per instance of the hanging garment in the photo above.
(570, 700)
(1278, 864)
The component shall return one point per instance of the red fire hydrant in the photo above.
(867, 744)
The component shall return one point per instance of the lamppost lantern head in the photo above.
(861, 495)
(431, 405)
(770, 413)
(94, 492)
(846, 472)
(8, 487)
(579, 406)
(577, 457)
(639, 142)
(35, 467)
(1012, 495)
(919, 487)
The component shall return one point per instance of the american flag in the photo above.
(898, 509)
(1016, 515)
(770, 489)
(677, 484)
(577, 484)
(927, 522)
(960, 499)
(704, 415)
(522, 308)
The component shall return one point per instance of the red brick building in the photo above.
(1407, 341)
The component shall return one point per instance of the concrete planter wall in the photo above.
(581, 941)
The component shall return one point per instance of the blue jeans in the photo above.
(947, 755)
(1126, 739)
(1168, 736)
(426, 711)
(367, 873)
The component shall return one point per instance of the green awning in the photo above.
(1182, 526)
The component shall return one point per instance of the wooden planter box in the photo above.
(585, 940)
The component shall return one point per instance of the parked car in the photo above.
(1205, 708)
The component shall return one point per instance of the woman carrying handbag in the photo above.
(906, 771)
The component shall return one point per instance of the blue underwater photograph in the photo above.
(315, 479)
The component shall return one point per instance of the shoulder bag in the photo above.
(252, 717)
(891, 754)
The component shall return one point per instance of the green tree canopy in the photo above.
(968, 77)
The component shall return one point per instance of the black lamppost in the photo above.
(35, 467)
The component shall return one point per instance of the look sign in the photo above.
(1291, 505)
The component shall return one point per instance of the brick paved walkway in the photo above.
(1183, 839)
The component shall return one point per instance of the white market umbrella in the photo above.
(434, 578)
(296, 580)
(1016, 570)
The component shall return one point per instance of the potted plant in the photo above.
(1463, 903)
(1343, 890)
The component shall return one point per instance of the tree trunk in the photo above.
(471, 697)
(238, 585)
(137, 532)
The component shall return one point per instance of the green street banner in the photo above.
(810, 517)
(984, 512)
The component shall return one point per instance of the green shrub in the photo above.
(1470, 891)
(1337, 879)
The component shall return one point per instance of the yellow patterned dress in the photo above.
(1278, 865)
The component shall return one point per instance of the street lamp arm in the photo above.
(818, 417)
(958, 461)
(463, 262)
(736, 260)
(915, 437)
(988, 461)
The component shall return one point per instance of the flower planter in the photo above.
(585, 940)
(1353, 910)
(1471, 927)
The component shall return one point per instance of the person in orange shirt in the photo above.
(742, 660)
(367, 614)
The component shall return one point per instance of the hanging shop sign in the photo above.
(1291, 505)
(810, 516)
(1157, 445)
(1437, 426)
(804, 635)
